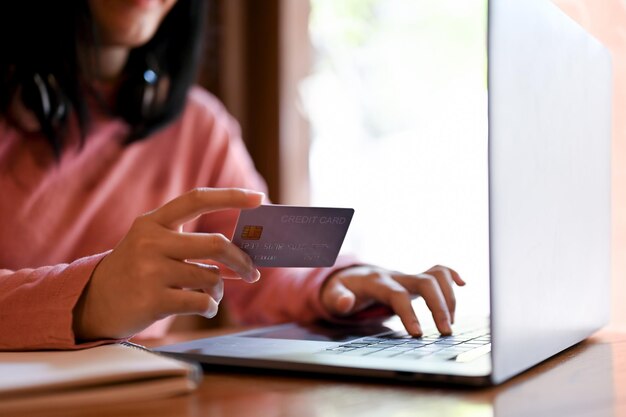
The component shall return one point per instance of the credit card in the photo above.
(292, 236)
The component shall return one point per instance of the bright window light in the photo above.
(397, 101)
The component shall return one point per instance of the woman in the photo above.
(101, 138)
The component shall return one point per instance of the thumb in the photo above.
(337, 298)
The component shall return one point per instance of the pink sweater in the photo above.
(58, 220)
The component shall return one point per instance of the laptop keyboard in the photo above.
(460, 347)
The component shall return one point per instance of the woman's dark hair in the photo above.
(44, 54)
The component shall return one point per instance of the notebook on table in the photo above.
(549, 226)
(109, 374)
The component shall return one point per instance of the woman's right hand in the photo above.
(149, 275)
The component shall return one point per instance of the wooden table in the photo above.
(586, 380)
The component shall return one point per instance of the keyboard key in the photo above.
(418, 343)
(362, 351)
(446, 342)
(355, 345)
(470, 355)
(392, 342)
(385, 353)
(430, 348)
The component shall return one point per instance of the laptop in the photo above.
(549, 227)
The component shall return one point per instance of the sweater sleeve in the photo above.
(281, 295)
(36, 305)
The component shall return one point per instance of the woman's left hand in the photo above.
(356, 288)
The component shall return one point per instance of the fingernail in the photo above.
(415, 330)
(252, 192)
(253, 276)
(218, 292)
(445, 327)
(211, 311)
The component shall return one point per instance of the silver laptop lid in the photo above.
(549, 183)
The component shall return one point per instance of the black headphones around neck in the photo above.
(42, 94)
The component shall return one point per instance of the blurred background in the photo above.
(397, 103)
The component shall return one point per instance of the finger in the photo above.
(196, 276)
(388, 291)
(190, 205)
(338, 299)
(454, 275)
(214, 246)
(444, 278)
(428, 287)
(216, 292)
(400, 301)
(225, 272)
(189, 302)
